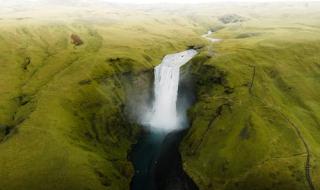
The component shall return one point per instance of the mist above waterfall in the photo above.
(163, 112)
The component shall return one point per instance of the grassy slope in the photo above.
(65, 107)
(254, 139)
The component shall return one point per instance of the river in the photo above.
(156, 157)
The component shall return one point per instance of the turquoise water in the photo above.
(145, 157)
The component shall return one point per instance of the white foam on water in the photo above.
(164, 109)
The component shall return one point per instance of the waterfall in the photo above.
(164, 114)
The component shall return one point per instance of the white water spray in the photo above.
(164, 112)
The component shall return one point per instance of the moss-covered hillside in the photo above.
(63, 120)
(256, 122)
(72, 73)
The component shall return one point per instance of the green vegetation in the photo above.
(255, 124)
(62, 117)
(64, 122)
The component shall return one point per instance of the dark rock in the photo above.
(76, 40)
(114, 60)
(231, 18)
(193, 46)
(244, 134)
(26, 63)
(84, 82)
(4, 131)
(228, 90)
(23, 99)
(247, 131)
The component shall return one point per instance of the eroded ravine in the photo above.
(156, 156)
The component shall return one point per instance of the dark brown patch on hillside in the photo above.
(76, 40)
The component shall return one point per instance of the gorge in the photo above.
(85, 103)
(165, 128)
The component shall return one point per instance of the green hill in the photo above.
(63, 124)
(255, 124)
(65, 107)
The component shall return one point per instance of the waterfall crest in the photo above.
(164, 114)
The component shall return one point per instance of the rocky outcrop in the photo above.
(76, 40)
(231, 18)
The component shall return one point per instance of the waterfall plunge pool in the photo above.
(156, 156)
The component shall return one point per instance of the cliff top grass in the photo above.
(256, 122)
(62, 118)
